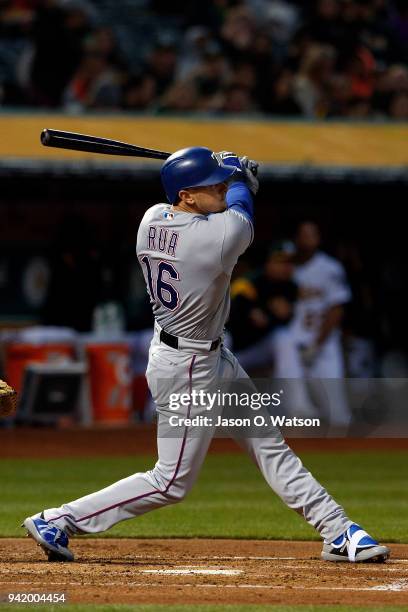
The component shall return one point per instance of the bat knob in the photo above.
(45, 137)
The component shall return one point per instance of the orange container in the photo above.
(19, 354)
(110, 381)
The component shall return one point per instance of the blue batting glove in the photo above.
(229, 159)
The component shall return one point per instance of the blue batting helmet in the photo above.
(193, 167)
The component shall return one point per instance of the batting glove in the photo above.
(250, 170)
(230, 159)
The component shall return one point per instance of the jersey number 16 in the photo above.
(158, 286)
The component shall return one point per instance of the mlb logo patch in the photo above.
(168, 215)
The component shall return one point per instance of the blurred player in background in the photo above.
(315, 327)
(262, 306)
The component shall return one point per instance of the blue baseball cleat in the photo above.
(355, 545)
(51, 538)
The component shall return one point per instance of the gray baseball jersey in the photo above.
(187, 261)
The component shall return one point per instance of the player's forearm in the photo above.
(331, 321)
(239, 198)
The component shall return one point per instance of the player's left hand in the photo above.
(250, 169)
(8, 400)
(230, 159)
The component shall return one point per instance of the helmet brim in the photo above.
(220, 175)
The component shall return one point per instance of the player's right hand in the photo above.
(250, 169)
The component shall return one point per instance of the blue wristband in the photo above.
(239, 198)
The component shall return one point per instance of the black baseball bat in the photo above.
(94, 144)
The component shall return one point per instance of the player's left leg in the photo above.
(299, 490)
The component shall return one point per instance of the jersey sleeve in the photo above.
(337, 289)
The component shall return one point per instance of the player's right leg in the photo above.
(53, 540)
(180, 459)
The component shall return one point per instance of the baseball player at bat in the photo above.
(188, 249)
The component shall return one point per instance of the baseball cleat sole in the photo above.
(53, 553)
(375, 554)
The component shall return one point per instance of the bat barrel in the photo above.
(94, 144)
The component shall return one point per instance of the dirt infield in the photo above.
(141, 439)
(202, 571)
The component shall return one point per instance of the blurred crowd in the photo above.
(313, 59)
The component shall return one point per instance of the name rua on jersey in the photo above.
(162, 239)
